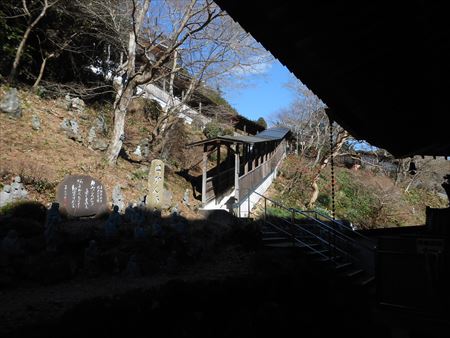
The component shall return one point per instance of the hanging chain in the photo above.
(333, 207)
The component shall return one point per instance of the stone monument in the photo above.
(81, 195)
(117, 198)
(155, 184)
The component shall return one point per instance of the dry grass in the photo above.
(43, 158)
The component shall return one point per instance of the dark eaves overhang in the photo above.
(381, 67)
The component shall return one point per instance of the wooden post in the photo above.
(246, 158)
(254, 156)
(218, 190)
(258, 155)
(204, 173)
(236, 172)
(266, 150)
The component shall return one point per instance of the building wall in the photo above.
(253, 199)
(186, 113)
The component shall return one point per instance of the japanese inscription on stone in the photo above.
(81, 195)
(156, 184)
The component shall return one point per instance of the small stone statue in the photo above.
(172, 262)
(142, 201)
(51, 227)
(139, 216)
(92, 250)
(113, 222)
(133, 269)
(157, 230)
(139, 233)
(11, 245)
(91, 135)
(5, 195)
(17, 189)
(129, 213)
(186, 198)
(181, 226)
(174, 213)
(117, 198)
(90, 256)
(53, 216)
(35, 122)
(116, 265)
(446, 186)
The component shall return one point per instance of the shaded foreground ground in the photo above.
(270, 292)
(232, 287)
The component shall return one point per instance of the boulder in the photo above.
(35, 122)
(70, 127)
(10, 104)
(100, 144)
(75, 104)
(78, 105)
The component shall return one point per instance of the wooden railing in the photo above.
(219, 184)
(252, 179)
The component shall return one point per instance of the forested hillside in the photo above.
(367, 195)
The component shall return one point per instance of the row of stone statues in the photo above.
(14, 192)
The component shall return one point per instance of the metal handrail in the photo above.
(313, 235)
(305, 214)
(298, 240)
(344, 247)
(333, 220)
(341, 234)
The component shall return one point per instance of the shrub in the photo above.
(354, 201)
(25, 209)
(152, 109)
(212, 129)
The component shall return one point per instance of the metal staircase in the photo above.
(325, 241)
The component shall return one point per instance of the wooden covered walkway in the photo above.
(248, 161)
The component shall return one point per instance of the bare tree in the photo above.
(46, 56)
(306, 117)
(341, 137)
(179, 41)
(31, 24)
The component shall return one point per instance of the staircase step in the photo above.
(318, 252)
(270, 234)
(307, 246)
(279, 245)
(354, 273)
(327, 259)
(343, 265)
(274, 239)
(367, 281)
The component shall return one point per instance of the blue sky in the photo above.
(263, 95)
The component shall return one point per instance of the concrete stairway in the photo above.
(320, 252)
